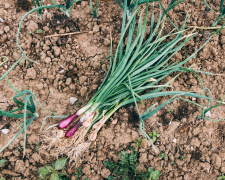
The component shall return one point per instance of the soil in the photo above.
(70, 66)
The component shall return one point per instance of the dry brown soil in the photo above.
(70, 66)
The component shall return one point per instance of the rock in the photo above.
(105, 172)
(173, 126)
(7, 6)
(106, 42)
(3, 38)
(143, 158)
(205, 166)
(72, 100)
(68, 81)
(33, 26)
(94, 86)
(82, 79)
(5, 131)
(47, 60)
(208, 114)
(135, 135)
(6, 29)
(195, 142)
(56, 51)
(31, 74)
(73, 178)
(95, 28)
(83, 91)
(179, 162)
(20, 167)
(46, 47)
(86, 169)
(16, 56)
(8, 172)
(36, 157)
(216, 161)
(27, 172)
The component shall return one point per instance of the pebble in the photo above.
(62, 71)
(8, 172)
(7, 6)
(208, 114)
(31, 73)
(72, 100)
(47, 60)
(5, 131)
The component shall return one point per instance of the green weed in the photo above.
(126, 168)
(53, 172)
(138, 142)
(154, 135)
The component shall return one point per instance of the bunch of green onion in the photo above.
(140, 66)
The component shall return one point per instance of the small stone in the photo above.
(8, 172)
(106, 42)
(3, 38)
(95, 28)
(56, 51)
(83, 91)
(208, 114)
(36, 157)
(68, 81)
(86, 169)
(5, 131)
(179, 162)
(216, 161)
(32, 26)
(114, 121)
(20, 167)
(82, 79)
(206, 166)
(143, 158)
(90, 32)
(16, 56)
(31, 73)
(6, 29)
(105, 173)
(175, 140)
(7, 6)
(72, 100)
(47, 60)
(62, 71)
(195, 142)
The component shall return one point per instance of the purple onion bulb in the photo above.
(72, 130)
(66, 122)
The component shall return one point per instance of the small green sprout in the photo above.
(138, 142)
(126, 167)
(163, 155)
(154, 135)
(49, 172)
(182, 157)
(222, 177)
(2, 178)
(78, 173)
(37, 146)
(170, 110)
(79, 103)
(94, 11)
(39, 31)
(2, 161)
(172, 163)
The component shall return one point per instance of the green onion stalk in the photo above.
(138, 67)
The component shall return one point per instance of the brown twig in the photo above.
(65, 34)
